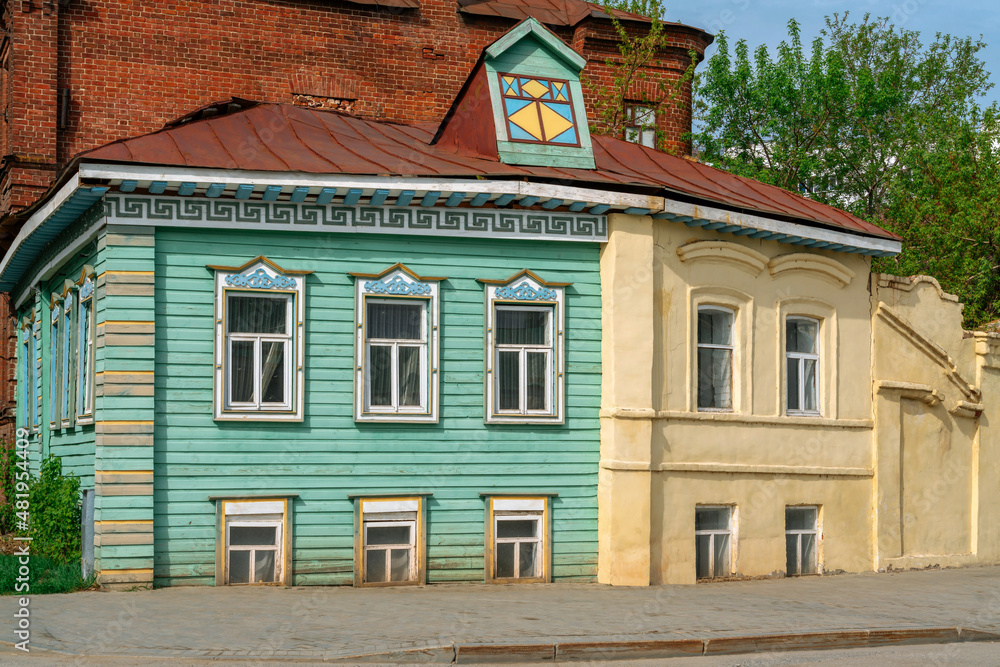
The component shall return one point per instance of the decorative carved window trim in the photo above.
(261, 277)
(86, 345)
(525, 291)
(397, 284)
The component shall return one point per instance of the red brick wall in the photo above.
(132, 66)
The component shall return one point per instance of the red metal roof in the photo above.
(550, 12)
(286, 138)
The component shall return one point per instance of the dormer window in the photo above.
(531, 80)
(539, 110)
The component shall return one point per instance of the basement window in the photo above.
(255, 541)
(391, 545)
(713, 541)
(518, 540)
(801, 540)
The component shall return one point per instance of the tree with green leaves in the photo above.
(876, 122)
(639, 76)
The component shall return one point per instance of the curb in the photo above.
(471, 654)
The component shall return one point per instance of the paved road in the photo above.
(312, 623)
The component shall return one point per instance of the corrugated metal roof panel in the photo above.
(275, 137)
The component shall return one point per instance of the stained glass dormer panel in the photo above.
(539, 110)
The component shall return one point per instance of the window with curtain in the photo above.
(28, 378)
(34, 354)
(715, 358)
(259, 342)
(525, 340)
(85, 353)
(802, 365)
(395, 355)
(259, 352)
(54, 392)
(67, 357)
(523, 360)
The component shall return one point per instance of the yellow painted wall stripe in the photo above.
(124, 472)
(119, 372)
(120, 521)
(126, 422)
(128, 322)
(129, 273)
(143, 570)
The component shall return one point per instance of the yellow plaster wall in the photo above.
(755, 458)
(902, 461)
(936, 393)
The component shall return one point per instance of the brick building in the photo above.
(78, 75)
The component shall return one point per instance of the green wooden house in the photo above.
(283, 345)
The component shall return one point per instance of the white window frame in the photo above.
(258, 340)
(801, 357)
(55, 361)
(522, 351)
(253, 549)
(29, 370)
(525, 291)
(85, 347)
(256, 512)
(731, 347)
(66, 365)
(388, 511)
(401, 285)
(260, 278)
(640, 131)
(394, 344)
(515, 508)
(410, 546)
(799, 532)
(730, 530)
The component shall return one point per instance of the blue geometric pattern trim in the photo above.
(567, 137)
(397, 286)
(525, 292)
(87, 289)
(260, 280)
(458, 222)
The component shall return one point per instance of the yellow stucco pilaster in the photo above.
(627, 350)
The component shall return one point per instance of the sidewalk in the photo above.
(477, 623)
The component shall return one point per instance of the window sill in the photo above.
(396, 418)
(388, 584)
(258, 417)
(516, 580)
(555, 420)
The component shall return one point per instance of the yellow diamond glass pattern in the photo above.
(535, 88)
(527, 120)
(553, 122)
(538, 110)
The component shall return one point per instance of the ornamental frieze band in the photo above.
(365, 219)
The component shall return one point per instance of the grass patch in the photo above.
(47, 576)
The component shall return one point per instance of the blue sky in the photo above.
(764, 21)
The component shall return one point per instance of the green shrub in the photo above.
(55, 513)
(47, 576)
(7, 469)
